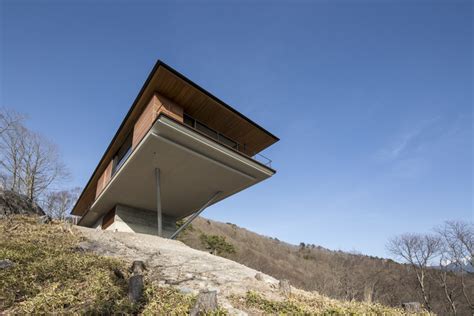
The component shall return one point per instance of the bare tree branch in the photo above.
(418, 251)
(458, 246)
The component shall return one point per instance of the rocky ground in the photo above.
(240, 290)
(14, 203)
(171, 263)
(54, 267)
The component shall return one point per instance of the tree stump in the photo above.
(135, 288)
(135, 283)
(206, 302)
(138, 267)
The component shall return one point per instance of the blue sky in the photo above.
(372, 100)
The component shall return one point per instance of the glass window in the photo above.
(227, 141)
(206, 130)
(189, 120)
(123, 153)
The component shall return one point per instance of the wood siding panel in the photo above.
(104, 179)
(144, 122)
(108, 219)
(157, 104)
(87, 198)
(170, 108)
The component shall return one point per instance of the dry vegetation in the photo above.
(310, 304)
(51, 275)
(339, 275)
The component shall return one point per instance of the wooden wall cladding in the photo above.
(104, 179)
(86, 200)
(108, 219)
(144, 122)
(168, 107)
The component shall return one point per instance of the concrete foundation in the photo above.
(133, 220)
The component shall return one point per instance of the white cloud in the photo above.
(408, 142)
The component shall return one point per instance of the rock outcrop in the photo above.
(14, 203)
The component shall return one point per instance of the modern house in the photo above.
(178, 150)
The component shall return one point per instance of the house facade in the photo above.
(178, 150)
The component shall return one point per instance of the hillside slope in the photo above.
(336, 274)
(58, 268)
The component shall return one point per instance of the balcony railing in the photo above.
(222, 139)
(263, 160)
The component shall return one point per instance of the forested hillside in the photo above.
(333, 273)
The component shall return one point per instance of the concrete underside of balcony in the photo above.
(192, 169)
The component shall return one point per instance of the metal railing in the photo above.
(194, 123)
(262, 159)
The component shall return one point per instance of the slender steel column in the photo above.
(196, 214)
(158, 202)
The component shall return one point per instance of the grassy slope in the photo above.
(51, 274)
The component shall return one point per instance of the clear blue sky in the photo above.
(372, 100)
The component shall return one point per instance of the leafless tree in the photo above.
(12, 145)
(418, 251)
(9, 119)
(41, 165)
(29, 163)
(458, 245)
(58, 203)
(442, 274)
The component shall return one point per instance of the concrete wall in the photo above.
(132, 220)
(98, 224)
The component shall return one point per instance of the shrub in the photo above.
(189, 228)
(217, 244)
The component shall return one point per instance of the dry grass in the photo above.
(51, 275)
(310, 304)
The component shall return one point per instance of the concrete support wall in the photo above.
(132, 220)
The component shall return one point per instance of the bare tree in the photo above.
(41, 165)
(12, 145)
(8, 119)
(418, 251)
(458, 242)
(58, 203)
(450, 288)
(29, 164)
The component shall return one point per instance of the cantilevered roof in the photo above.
(193, 168)
(198, 103)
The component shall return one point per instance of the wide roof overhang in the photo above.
(192, 168)
(197, 102)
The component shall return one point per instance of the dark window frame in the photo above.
(192, 122)
(122, 153)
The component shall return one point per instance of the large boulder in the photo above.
(14, 203)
